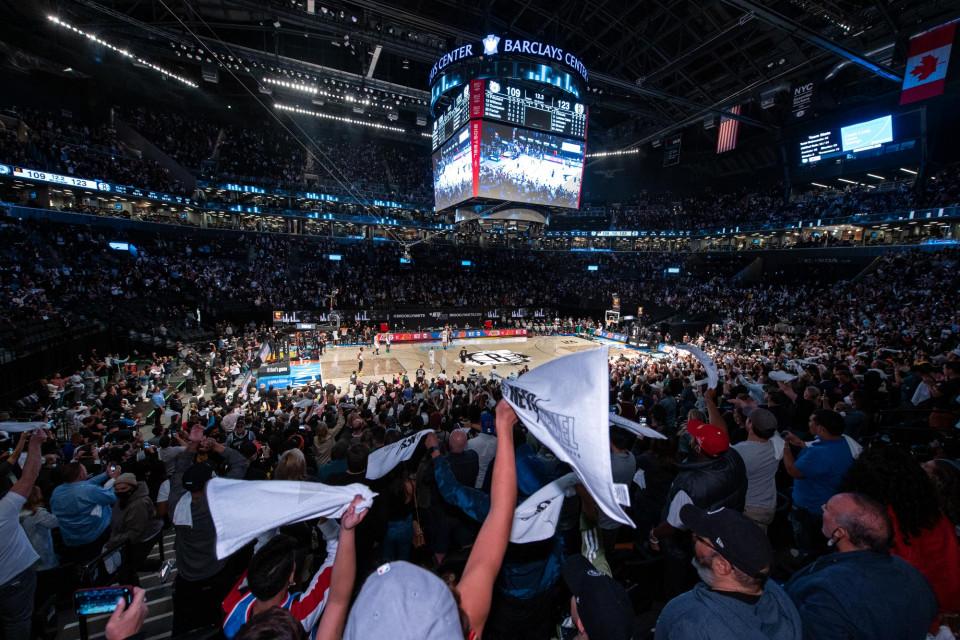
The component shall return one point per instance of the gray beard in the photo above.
(705, 573)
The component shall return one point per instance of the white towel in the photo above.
(536, 517)
(564, 403)
(708, 364)
(383, 460)
(243, 509)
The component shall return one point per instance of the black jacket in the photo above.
(714, 483)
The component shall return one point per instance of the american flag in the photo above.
(729, 127)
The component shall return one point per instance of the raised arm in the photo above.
(483, 565)
(31, 468)
(716, 417)
(344, 574)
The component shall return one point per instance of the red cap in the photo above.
(711, 439)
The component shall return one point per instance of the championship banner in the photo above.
(383, 460)
(926, 73)
(565, 405)
(241, 510)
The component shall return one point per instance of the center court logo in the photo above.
(501, 356)
(491, 45)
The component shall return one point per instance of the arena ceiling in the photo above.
(655, 65)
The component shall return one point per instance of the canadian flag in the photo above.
(926, 72)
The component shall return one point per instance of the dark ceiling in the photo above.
(655, 64)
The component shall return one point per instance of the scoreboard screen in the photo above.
(534, 109)
(452, 118)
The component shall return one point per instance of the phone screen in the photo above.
(102, 600)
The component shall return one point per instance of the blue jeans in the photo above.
(398, 541)
(16, 605)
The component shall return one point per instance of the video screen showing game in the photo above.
(527, 166)
(452, 171)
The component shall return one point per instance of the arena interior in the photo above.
(513, 320)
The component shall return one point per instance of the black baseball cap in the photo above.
(733, 536)
(195, 478)
(602, 603)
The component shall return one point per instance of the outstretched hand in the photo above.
(127, 620)
(506, 417)
(351, 517)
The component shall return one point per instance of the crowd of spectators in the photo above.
(770, 509)
(59, 142)
(711, 209)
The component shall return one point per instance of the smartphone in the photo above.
(89, 602)
(113, 468)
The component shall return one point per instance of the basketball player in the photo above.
(376, 344)
(445, 337)
(433, 358)
(360, 362)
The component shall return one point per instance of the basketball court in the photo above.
(485, 355)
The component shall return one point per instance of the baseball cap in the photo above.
(712, 439)
(127, 478)
(402, 601)
(602, 603)
(764, 421)
(732, 535)
(195, 478)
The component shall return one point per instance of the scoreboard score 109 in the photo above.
(515, 104)
(534, 109)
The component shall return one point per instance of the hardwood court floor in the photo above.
(507, 355)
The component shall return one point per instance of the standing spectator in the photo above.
(735, 598)
(273, 570)
(132, 523)
(861, 592)
(760, 458)
(624, 466)
(202, 579)
(817, 472)
(83, 506)
(600, 606)
(18, 580)
(484, 443)
(922, 535)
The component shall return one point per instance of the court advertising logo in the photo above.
(500, 356)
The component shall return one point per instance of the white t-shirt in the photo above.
(486, 447)
(16, 552)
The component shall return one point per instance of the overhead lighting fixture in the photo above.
(848, 181)
(123, 52)
(873, 175)
(910, 171)
(822, 186)
(329, 116)
(621, 152)
(296, 86)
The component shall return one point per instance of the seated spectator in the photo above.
(735, 598)
(83, 507)
(860, 591)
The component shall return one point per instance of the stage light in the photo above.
(123, 52)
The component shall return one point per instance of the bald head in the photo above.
(457, 442)
(856, 522)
